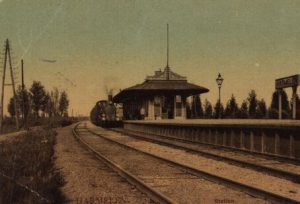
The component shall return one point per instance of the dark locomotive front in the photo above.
(105, 114)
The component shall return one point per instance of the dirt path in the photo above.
(87, 179)
(10, 135)
(7, 136)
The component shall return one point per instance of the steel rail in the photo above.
(270, 170)
(139, 184)
(256, 192)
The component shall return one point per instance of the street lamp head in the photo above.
(219, 80)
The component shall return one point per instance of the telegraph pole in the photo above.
(24, 115)
(7, 59)
(3, 83)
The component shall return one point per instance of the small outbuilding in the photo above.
(162, 96)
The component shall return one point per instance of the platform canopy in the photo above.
(163, 82)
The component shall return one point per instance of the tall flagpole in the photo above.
(167, 45)
(167, 67)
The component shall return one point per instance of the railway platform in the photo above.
(270, 137)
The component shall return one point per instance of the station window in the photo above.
(157, 106)
(178, 106)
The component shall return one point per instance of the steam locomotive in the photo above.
(106, 114)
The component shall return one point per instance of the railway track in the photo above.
(256, 192)
(171, 181)
(139, 184)
(266, 164)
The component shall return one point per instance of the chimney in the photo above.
(157, 73)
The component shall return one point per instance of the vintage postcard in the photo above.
(139, 101)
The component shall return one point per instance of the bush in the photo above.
(9, 125)
(66, 121)
(28, 159)
(52, 122)
(55, 122)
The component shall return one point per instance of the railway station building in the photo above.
(161, 96)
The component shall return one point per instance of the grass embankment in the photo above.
(29, 161)
(9, 124)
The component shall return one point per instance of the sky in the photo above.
(88, 46)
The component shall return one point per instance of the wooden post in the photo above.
(242, 135)
(263, 142)
(277, 143)
(13, 85)
(231, 138)
(224, 138)
(251, 140)
(209, 136)
(292, 146)
(216, 136)
(23, 97)
(294, 101)
(279, 105)
(3, 84)
(183, 107)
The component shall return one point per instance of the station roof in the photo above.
(163, 82)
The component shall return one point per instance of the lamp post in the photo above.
(219, 81)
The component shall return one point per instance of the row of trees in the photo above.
(39, 102)
(250, 108)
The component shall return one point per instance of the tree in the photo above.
(47, 105)
(207, 109)
(286, 110)
(54, 99)
(261, 111)
(196, 107)
(11, 107)
(232, 109)
(24, 101)
(284, 100)
(252, 104)
(23, 104)
(218, 110)
(63, 104)
(297, 106)
(243, 113)
(38, 95)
